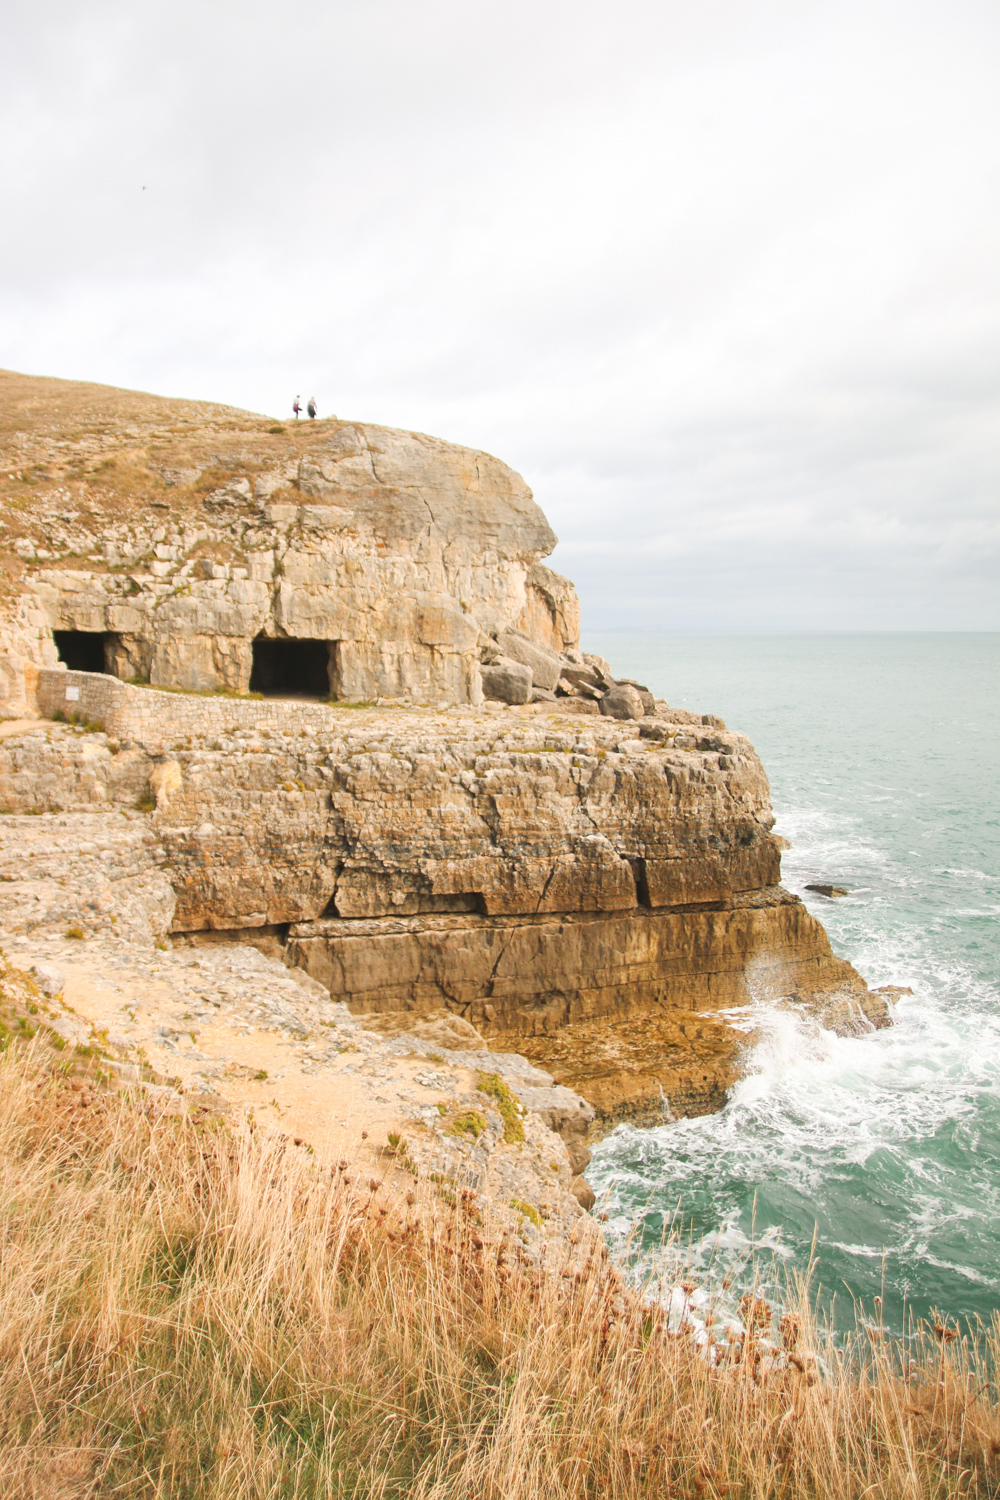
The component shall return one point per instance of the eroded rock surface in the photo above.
(180, 533)
(202, 548)
(570, 869)
(224, 1026)
(540, 882)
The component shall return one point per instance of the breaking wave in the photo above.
(881, 1151)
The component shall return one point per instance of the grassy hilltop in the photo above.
(76, 458)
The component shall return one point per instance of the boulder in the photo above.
(622, 702)
(545, 665)
(583, 1193)
(542, 695)
(601, 667)
(581, 682)
(649, 702)
(507, 681)
(50, 980)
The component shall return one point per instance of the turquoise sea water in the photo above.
(883, 753)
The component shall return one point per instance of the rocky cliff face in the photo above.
(177, 535)
(591, 894)
(571, 870)
(195, 1026)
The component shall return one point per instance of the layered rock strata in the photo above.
(220, 1027)
(569, 869)
(208, 549)
(544, 879)
(172, 541)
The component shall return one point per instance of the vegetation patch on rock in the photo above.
(493, 1086)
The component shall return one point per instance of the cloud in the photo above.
(719, 280)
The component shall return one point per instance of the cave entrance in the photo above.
(82, 650)
(293, 669)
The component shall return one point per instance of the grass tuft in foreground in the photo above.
(201, 1311)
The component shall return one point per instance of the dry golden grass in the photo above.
(198, 1311)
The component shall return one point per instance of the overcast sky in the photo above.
(721, 278)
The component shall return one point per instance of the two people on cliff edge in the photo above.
(311, 408)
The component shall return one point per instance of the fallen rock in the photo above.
(50, 980)
(583, 1192)
(601, 667)
(507, 681)
(582, 681)
(545, 666)
(829, 890)
(622, 702)
(648, 701)
(855, 1013)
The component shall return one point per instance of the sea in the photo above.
(870, 1163)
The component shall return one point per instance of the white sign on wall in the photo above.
(72, 694)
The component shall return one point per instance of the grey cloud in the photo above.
(720, 280)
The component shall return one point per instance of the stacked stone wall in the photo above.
(151, 716)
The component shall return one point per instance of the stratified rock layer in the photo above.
(551, 880)
(531, 976)
(590, 875)
(180, 533)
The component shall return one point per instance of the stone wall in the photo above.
(154, 718)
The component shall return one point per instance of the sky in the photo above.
(720, 278)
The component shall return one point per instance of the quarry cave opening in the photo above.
(82, 650)
(293, 668)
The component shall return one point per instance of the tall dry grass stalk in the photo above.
(200, 1311)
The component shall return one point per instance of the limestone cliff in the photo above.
(177, 534)
(590, 894)
(570, 870)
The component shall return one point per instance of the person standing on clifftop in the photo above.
(296, 408)
(311, 408)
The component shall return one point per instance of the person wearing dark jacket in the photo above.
(311, 408)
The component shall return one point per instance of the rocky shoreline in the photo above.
(635, 1013)
(317, 808)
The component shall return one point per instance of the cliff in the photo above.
(508, 850)
(176, 535)
(589, 894)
